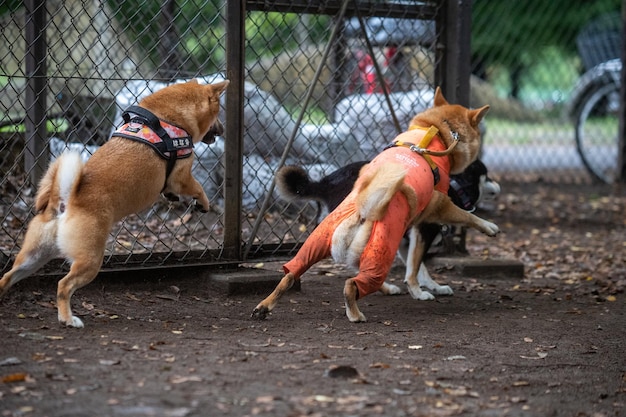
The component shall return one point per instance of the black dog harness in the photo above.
(169, 141)
(459, 195)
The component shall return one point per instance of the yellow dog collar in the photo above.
(420, 148)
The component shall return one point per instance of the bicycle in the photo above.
(595, 113)
(596, 96)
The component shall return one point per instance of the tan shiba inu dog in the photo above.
(405, 185)
(77, 203)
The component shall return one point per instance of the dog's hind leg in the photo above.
(351, 293)
(264, 307)
(37, 249)
(81, 238)
(82, 272)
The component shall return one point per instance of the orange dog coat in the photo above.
(380, 251)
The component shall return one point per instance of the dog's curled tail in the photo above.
(59, 181)
(376, 189)
(293, 183)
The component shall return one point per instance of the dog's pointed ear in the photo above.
(440, 100)
(193, 81)
(477, 115)
(218, 88)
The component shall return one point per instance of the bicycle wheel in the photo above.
(597, 130)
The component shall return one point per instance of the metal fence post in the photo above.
(235, 30)
(452, 71)
(35, 155)
(168, 42)
(621, 157)
(453, 60)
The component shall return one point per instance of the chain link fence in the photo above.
(314, 74)
(313, 77)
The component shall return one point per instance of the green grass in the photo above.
(506, 132)
(52, 126)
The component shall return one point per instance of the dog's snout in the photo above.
(216, 129)
(491, 190)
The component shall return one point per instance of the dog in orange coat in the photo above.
(403, 186)
(77, 204)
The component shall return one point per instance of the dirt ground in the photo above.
(552, 343)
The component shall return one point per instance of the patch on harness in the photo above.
(133, 127)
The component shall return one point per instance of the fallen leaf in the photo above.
(17, 377)
(540, 355)
(380, 365)
(183, 379)
(10, 361)
(107, 362)
(131, 297)
(455, 358)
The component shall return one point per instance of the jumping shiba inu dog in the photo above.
(77, 203)
(402, 187)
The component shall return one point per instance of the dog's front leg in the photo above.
(351, 293)
(264, 307)
(390, 289)
(425, 280)
(181, 182)
(441, 209)
(423, 277)
(197, 192)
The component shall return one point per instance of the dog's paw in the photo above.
(197, 206)
(260, 312)
(73, 322)
(354, 317)
(490, 229)
(390, 289)
(418, 294)
(442, 290)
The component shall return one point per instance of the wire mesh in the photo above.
(102, 56)
(535, 63)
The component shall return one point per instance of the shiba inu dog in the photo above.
(467, 190)
(77, 203)
(401, 188)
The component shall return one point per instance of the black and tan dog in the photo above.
(467, 190)
(401, 188)
(77, 204)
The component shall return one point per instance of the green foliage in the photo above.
(197, 26)
(508, 32)
(268, 34)
(527, 49)
(8, 6)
